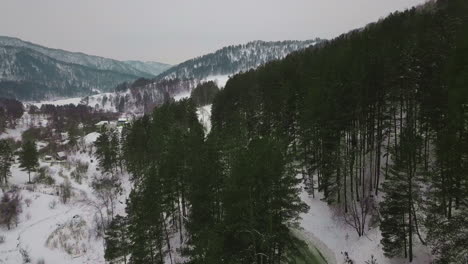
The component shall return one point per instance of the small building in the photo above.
(61, 156)
(122, 121)
(102, 124)
(106, 124)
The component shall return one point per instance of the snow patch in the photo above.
(204, 116)
(220, 80)
(181, 96)
(91, 138)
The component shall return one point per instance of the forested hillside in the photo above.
(375, 121)
(28, 75)
(233, 59)
(136, 68)
(179, 81)
(32, 72)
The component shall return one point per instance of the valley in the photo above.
(352, 150)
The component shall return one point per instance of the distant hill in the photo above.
(32, 72)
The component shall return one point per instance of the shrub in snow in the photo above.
(31, 187)
(28, 202)
(81, 168)
(44, 176)
(2, 239)
(25, 255)
(40, 261)
(347, 258)
(61, 174)
(67, 165)
(70, 237)
(372, 260)
(65, 191)
(52, 204)
(107, 189)
(10, 208)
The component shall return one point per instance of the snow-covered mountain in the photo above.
(137, 68)
(29, 71)
(29, 75)
(234, 59)
(177, 82)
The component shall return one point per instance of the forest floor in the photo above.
(321, 227)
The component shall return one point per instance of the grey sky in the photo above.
(175, 30)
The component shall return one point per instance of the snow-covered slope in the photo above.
(79, 58)
(47, 228)
(234, 59)
(29, 71)
(27, 74)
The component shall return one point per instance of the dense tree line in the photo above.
(204, 93)
(68, 118)
(378, 111)
(378, 114)
(10, 111)
(221, 203)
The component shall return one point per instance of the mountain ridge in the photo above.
(233, 59)
(80, 58)
(33, 72)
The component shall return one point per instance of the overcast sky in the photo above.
(172, 31)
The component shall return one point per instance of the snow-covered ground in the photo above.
(333, 237)
(48, 228)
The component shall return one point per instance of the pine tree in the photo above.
(72, 135)
(117, 240)
(108, 150)
(29, 157)
(398, 224)
(6, 160)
